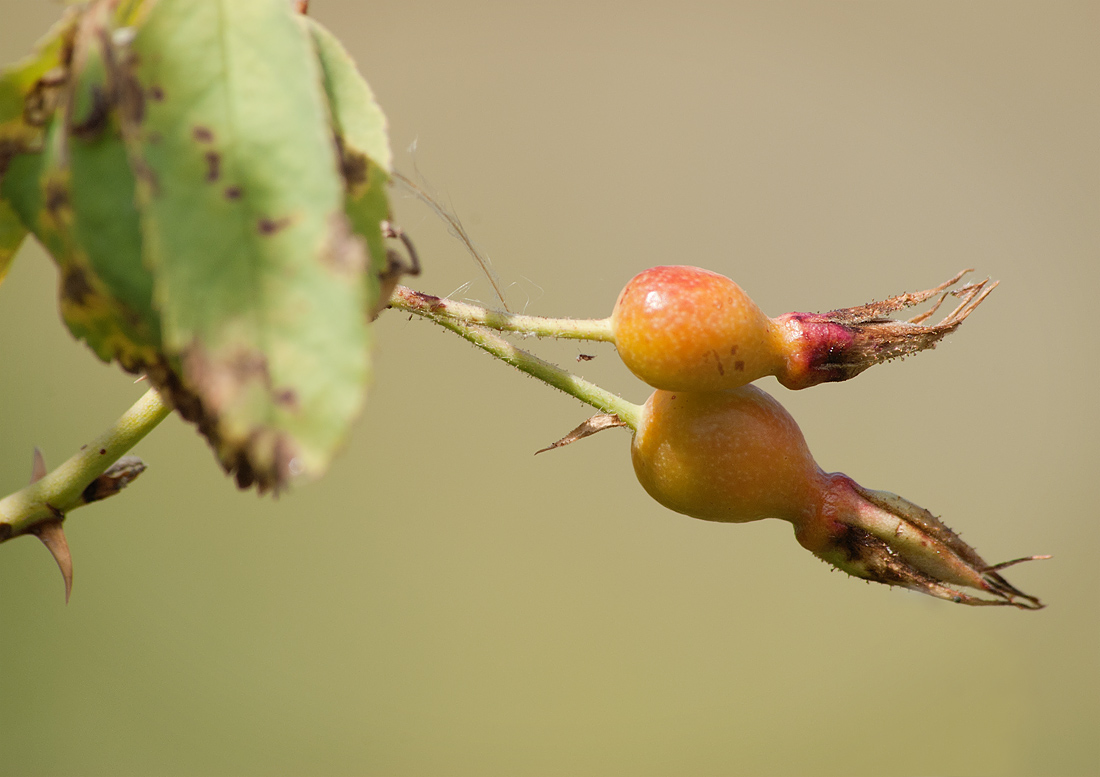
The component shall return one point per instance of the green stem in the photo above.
(487, 340)
(62, 490)
(599, 329)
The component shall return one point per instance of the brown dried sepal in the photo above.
(879, 536)
(840, 344)
(119, 475)
(596, 423)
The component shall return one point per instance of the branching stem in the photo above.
(62, 489)
(470, 322)
(405, 298)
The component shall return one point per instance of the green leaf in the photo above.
(42, 192)
(27, 96)
(29, 91)
(106, 222)
(363, 142)
(258, 278)
(76, 194)
(357, 117)
(12, 233)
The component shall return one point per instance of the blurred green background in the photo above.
(444, 603)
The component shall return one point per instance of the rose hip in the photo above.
(738, 456)
(685, 328)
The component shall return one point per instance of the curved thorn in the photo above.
(53, 537)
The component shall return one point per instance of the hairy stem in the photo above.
(474, 331)
(405, 298)
(62, 490)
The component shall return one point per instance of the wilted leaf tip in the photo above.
(215, 389)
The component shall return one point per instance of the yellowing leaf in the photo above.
(258, 277)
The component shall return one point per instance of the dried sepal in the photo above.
(596, 423)
(879, 536)
(119, 475)
(840, 344)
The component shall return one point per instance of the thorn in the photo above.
(53, 537)
(38, 466)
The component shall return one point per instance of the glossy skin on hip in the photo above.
(689, 329)
(732, 456)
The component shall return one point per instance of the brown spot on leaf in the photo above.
(739, 365)
(57, 196)
(264, 458)
(354, 167)
(156, 93)
(145, 174)
(131, 98)
(213, 166)
(288, 398)
(249, 365)
(267, 226)
(245, 475)
(97, 116)
(233, 192)
(8, 150)
(68, 40)
(42, 98)
(733, 350)
(168, 382)
(202, 134)
(75, 286)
